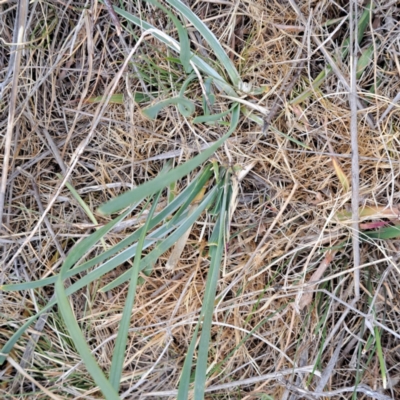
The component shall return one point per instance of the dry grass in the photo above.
(259, 331)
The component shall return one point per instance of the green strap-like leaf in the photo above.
(118, 357)
(216, 253)
(80, 343)
(210, 118)
(364, 60)
(167, 243)
(186, 107)
(210, 38)
(389, 232)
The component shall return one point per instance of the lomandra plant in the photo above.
(212, 189)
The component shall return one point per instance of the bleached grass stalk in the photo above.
(19, 33)
(355, 173)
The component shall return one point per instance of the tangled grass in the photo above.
(298, 311)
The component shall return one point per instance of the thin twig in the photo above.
(20, 27)
(331, 62)
(355, 174)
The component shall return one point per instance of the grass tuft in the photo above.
(201, 245)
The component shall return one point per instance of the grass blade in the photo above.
(217, 246)
(186, 107)
(364, 60)
(210, 118)
(84, 206)
(167, 243)
(184, 382)
(389, 232)
(218, 80)
(118, 358)
(80, 343)
(210, 39)
(185, 53)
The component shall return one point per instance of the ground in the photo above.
(285, 282)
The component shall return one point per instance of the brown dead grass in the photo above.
(77, 60)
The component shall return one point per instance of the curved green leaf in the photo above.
(187, 107)
(185, 53)
(210, 38)
(389, 232)
(118, 357)
(210, 118)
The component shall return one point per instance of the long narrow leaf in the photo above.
(186, 107)
(185, 53)
(210, 118)
(118, 358)
(210, 38)
(202, 65)
(80, 343)
(167, 243)
(390, 232)
(184, 382)
(216, 252)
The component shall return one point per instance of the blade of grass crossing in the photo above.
(118, 358)
(381, 357)
(186, 107)
(185, 53)
(80, 342)
(167, 243)
(389, 232)
(216, 251)
(184, 382)
(85, 207)
(83, 247)
(210, 39)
